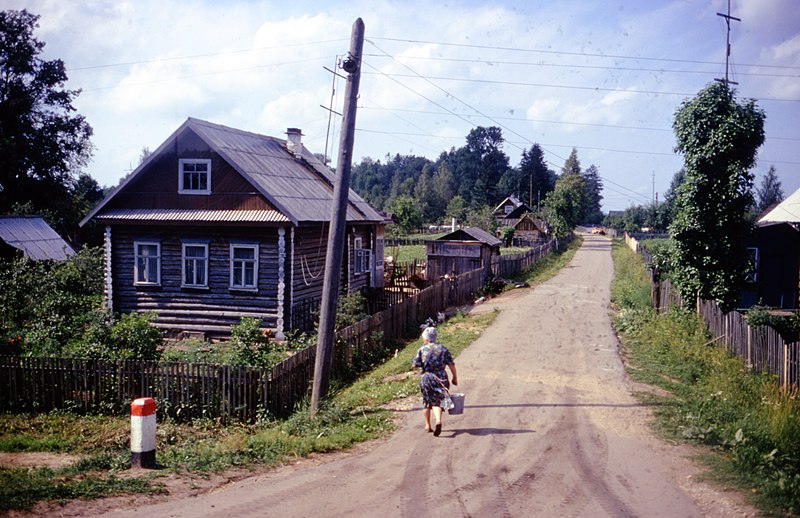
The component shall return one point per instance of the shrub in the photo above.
(350, 309)
(132, 336)
(250, 345)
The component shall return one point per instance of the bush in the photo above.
(47, 303)
(350, 309)
(250, 345)
(132, 336)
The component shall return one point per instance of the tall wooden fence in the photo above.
(186, 390)
(762, 347)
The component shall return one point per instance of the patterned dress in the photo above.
(433, 382)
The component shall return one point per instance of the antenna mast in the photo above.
(728, 19)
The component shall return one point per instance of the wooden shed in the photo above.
(461, 251)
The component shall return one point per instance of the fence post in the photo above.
(143, 433)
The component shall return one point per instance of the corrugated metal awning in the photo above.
(198, 215)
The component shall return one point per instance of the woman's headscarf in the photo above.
(429, 334)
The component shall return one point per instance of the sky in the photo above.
(604, 77)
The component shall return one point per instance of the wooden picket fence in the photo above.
(762, 348)
(188, 390)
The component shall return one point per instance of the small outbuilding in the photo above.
(461, 251)
(33, 238)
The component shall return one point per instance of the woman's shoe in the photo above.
(438, 430)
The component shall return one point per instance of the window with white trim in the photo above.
(194, 176)
(244, 266)
(147, 263)
(195, 265)
(362, 257)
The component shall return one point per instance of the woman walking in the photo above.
(432, 358)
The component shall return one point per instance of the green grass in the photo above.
(750, 425)
(356, 412)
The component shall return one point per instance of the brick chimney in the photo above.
(294, 141)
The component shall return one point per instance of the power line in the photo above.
(197, 56)
(452, 96)
(570, 87)
(492, 62)
(582, 54)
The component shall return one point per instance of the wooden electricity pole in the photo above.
(336, 238)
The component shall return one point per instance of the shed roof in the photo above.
(300, 188)
(472, 234)
(787, 211)
(34, 238)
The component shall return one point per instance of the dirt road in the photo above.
(550, 429)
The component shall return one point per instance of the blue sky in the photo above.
(604, 77)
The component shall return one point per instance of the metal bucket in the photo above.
(458, 403)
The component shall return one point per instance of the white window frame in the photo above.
(182, 163)
(184, 260)
(508, 209)
(137, 256)
(245, 287)
(362, 257)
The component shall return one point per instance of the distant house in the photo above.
(31, 237)
(219, 223)
(528, 228)
(510, 208)
(775, 252)
(461, 251)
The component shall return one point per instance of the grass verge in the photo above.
(750, 425)
(355, 413)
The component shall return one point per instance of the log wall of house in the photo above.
(212, 310)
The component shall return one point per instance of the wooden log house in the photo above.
(219, 223)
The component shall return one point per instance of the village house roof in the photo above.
(472, 234)
(787, 211)
(32, 236)
(300, 188)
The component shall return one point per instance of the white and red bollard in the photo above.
(143, 433)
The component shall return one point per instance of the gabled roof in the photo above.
(472, 234)
(787, 211)
(301, 189)
(513, 199)
(34, 238)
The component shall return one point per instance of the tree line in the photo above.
(468, 182)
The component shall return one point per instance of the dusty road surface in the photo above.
(550, 429)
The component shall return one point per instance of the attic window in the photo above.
(194, 176)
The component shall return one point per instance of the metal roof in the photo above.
(477, 234)
(787, 211)
(300, 188)
(180, 215)
(34, 238)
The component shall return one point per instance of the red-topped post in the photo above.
(143, 433)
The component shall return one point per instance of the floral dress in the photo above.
(433, 382)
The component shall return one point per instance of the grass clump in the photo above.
(716, 400)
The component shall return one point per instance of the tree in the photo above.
(572, 165)
(719, 139)
(566, 205)
(456, 208)
(594, 186)
(536, 177)
(408, 214)
(769, 192)
(42, 141)
(482, 217)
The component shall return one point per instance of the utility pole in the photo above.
(728, 19)
(336, 238)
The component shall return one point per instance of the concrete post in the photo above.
(143, 433)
